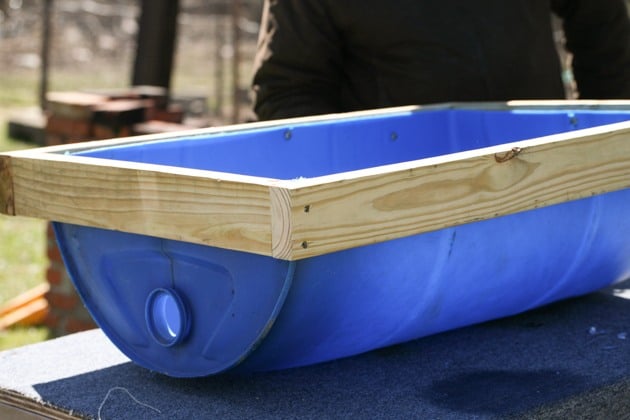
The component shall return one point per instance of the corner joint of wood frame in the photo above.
(281, 223)
(7, 203)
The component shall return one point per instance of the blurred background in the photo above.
(199, 51)
(90, 44)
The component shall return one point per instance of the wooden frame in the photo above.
(295, 219)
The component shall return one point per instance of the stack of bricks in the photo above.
(76, 117)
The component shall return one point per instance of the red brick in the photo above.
(74, 325)
(79, 139)
(103, 132)
(172, 114)
(107, 132)
(120, 113)
(50, 232)
(54, 277)
(51, 320)
(154, 127)
(125, 131)
(62, 301)
(54, 139)
(53, 252)
(69, 127)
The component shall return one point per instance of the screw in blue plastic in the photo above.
(166, 316)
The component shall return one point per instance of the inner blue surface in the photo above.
(321, 148)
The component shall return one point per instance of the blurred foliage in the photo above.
(17, 337)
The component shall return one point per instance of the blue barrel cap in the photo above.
(167, 317)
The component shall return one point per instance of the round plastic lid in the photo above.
(166, 317)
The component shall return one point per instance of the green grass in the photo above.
(22, 240)
(22, 246)
(17, 89)
(22, 255)
(16, 337)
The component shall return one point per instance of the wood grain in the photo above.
(364, 207)
(222, 210)
(294, 219)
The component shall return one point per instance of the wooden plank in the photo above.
(347, 210)
(28, 308)
(282, 224)
(25, 298)
(296, 219)
(225, 210)
(18, 407)
(31, 313)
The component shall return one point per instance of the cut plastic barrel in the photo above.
(185, 309)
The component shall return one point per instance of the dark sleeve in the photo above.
(296, 71)
(598, 36)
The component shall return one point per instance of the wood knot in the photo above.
(510, 154)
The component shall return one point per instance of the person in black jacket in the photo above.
(325, 56)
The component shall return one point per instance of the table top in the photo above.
(569, 359)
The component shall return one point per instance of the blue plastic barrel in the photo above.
(191, 310)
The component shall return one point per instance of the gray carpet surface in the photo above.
(566, 360)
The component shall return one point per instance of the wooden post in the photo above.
(219, 81)
(45, 52)
(236, 60)
(156, 42)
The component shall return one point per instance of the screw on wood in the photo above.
(304, 244)
(510, 154)
(307, 208)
